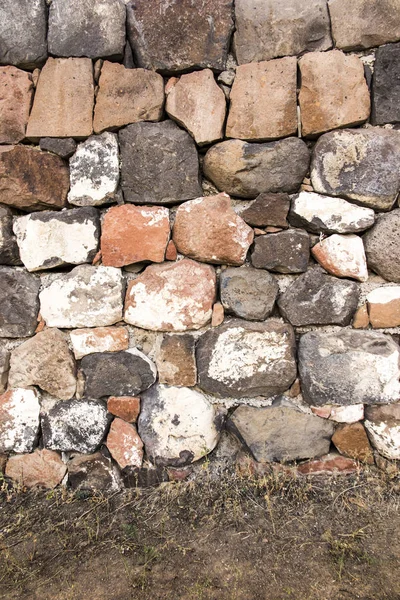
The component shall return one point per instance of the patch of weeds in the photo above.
(346, 546)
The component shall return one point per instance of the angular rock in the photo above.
(43, 468)
(361, 318)
(64, 98)
(280, 433)
(383, 426)
(159, 164)
(132, 234)
(197, 103)
(178, 425)
(19, 304)
(368, 364)
(386, 85)
(284, 252)
(343, 256)
(330, 463)
(100, 339)
(263, 101)
(333, 92)
(171, 297)
(19, 420)
(218, 314)
(127, 96)
(48, 239)
(93, 472)
(123, 373)
(323, 214)
(384, 306)
(245, 359)
(176, 37)
(382, 246)
(93, 28)
(32, 180)
(124, 407)
(63, 147)
(75, 425)
(316, 298)
(352, 441)
(23, 29)
(9, 253)
(340, 414)
(16, 89)
(124, 444)
(171, 252)
(362, 165)
(4, 368)
(246, 170)
(268, 210)
(86, 297)
(248, 293)
(176, 361)
(208, 229)
(268, 28)
(94, 171)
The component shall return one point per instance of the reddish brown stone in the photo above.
(217, 314)
(16, 89)
(268, 210)
(331, 463)
(352, 441)
(43, 468)
(179, 474)
(384, 307)
(98, 339)
(361, 318)
(176, 362)
(124, 407)
(171, 252)
(124, 444)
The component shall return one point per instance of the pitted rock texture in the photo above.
(178, 425)
(43, 468)
(124, 444)
(246, 170)
(19, 420)
(23, 29)
(159, 164)
(383, 427)
(268, 210)
(343, 256)
(352, 441)
(268, 28)
(176, 361)
(86, 297)
(382, 246)
(19, 304)
(284, 252)
(263, 101)
(386, 85)
(92, 472)
(368, 364)
(208, 229)
(48, 239)
(63, 147)
(242, 358)
(316, 298)
(124, 407)
(16, 91)
(9, 252)
(32, 180)
(4, 368)
(176, 37)
(361, 165)
(99, 339)
(171, 297)
(127, 96)
(384, 306)
(248, 293)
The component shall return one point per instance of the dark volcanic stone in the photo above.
(23, 27)
(248, 293)
(9, 253)
(386, 85)
(268, 210)
(19, 303)
(284, 252)
(159, 164)
(93, 472)
(64, 147)
(145, 477)
(382, 246)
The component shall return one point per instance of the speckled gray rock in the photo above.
(19, 420)
(382, 246)
(349, 367)
(386, 85)
(4, 367)
(19, 304)
(248, 293)
(23, 28)
(159, 164)
(63, 147)
(9, 253)
(362, 165)
(94, 473)
(246, 170)
(316, 298)
(284, 252)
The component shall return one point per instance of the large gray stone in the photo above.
(349, 367)
(382, 246)
(248, 293)
(9, 253)
(285, 252)
(23, 28)
(246, 170)
(64, 147)
(93, 473)
(159, 164)
(386, 85)
(19, 304)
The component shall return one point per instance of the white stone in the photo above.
(385, 437)
(384, 295)
(101, 339)
(343, 256)
(19, 420)
(347, 414)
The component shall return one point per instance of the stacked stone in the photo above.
(166, 255)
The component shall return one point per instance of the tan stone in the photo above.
(384, 307)
(261, 231)
(124, 407)
(361, 318)
(208, 229)
(132, 234)
(127, 96)
(63, 104)
(196, 102)
(343, 256)
(333, 93)
(217, 314)
(176, 362)
(352, 441)
(124, 444)
(171, 252)
(263, 100)
(98, 339)
(43, 468)
(16, 89)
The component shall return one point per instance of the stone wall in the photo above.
(199, 237)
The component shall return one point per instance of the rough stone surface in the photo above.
(269, 28)
(382, 246)
(100, 339)
(123, 373)
(324, 214)
(16, 89)
(383, 426)
(208, 229)
(361, 318)
(352, 441)
(386, 85)
(47, 239)
(284, 252)
(197, 102)
(268, 210)
(248, 293)
(340, 414)
(176, 37)
(329, 464)
(93, 472)
(23, 29)
(4, 368)
(132, 234)
(127, 96)
(86, 297)
(43, 468)
(94, 171)
(159, 164)
(19, 420)
(63, 147)
(333, 92)
(316, 298)
(241, 358)
(280, 433)
(362, 165)
(368, 364)
(19, 303)
(178, 425)
(176, 362)
(124, 407)
(343, 256)
(171, 297)
(9, 253)
(246, 170)
(124, 444)
(384, 306)
(31, 179)
(63, 103)
(263, 101)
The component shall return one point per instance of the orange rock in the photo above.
(43, 468)
(384, 306)
(330, 463)
(343, 256)
(124, 407)
(124, 444)
(171, 252)
(361, 318)
(217, 314)
(98, 339)
(176, 362)
(352, 441)
(16, 89)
